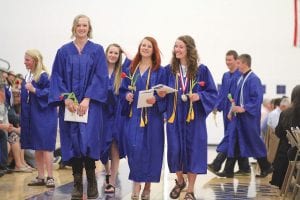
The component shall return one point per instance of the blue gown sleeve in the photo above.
(42, 90)
(57, 82)
(221, 96)
(97, 90)
(208, 93)
(161, 102)
(125, 106)
(254, 88)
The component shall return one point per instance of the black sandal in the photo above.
(109, 189)
(189, 196)
(175, 193)
(107, 179)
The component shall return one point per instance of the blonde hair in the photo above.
(118, 67)
(75, 22)
(38, 61)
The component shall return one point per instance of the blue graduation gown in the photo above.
(245, 127)
(144, 145)
(229, 83)
(38, 119)
(86, 75)
(114, 124)
(187, 142)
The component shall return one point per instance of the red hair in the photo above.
(156, 60)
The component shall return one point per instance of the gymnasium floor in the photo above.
(14, 186)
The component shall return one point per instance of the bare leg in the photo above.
(39, 159)
(115, 160)
(16, 150)
(136, 188)
(191, 178)
(147, 188)
(180, 178)
(48, 161)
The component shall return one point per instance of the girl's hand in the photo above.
(151, 100)
(83, 106)
(194, 97)
(129, 97)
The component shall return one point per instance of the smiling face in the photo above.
(180, 50)
(82, 28)
(29, 62)
(230, 62)
(146, 48)
(113, 54)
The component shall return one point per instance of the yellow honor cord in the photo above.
(172, 117)
(145, 122)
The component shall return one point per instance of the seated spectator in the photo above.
(288, 118)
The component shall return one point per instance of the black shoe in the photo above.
(6, 170)
(211, 168)
(225, 174)
(243, 173)
(265, 173)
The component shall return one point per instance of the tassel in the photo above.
(142, 123)
(130, 113)
(146, 119)
(188, 119)
(192, 114)
(172, 118)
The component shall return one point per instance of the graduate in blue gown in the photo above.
(186, 113)
(38, 119)
(144, 131)
(113, 141)
(244, 129)
(80, 67)
(229, 82)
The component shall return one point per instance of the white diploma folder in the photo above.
(162, 87)
(143, 96)
(74, 117)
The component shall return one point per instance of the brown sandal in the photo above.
(175, 193)
(189, 196)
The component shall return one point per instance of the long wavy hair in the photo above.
(118, 67)
(156, 59)
(192, 57)
(293, 113)
(39, 65)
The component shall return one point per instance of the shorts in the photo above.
(13, 138)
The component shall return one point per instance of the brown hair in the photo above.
(156, 60)
(192, 57)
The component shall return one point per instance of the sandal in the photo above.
(175, 193)
(109, 189)
(37, 182)
(134, 197)
(50, 182)
(107, 179)
(145, 196)
(189, 196)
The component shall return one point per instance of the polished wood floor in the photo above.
(14, 186)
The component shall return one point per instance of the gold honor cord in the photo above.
(132, 87)
(145, 122)
(172, 118)
(191, 114)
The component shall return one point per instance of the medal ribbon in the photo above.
(182, 82)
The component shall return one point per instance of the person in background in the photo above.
(288, 118)
(79, 85)
(244, 128)
(144, 131)
(228, 87)
(38, 119)
(186, 113)
(112, 142)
